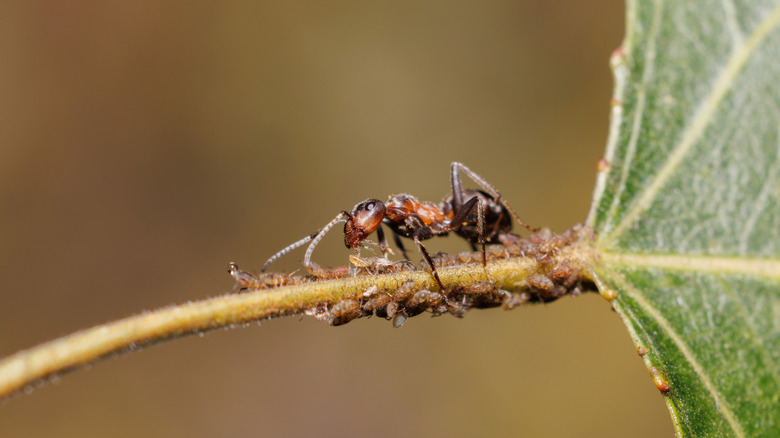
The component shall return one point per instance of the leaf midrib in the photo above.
(768, 268)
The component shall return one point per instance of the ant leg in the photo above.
(460, 216)
(400, 244)
(426, 256)
(481, 228)
(457, 192)
(316, 239)
(380, 235)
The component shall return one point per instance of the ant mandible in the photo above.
(484, 217)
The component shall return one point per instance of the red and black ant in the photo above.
(478, 216)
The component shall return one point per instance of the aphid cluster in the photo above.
(550, 280)
(409, 300)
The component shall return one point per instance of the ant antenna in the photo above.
(315, 239)
(458, 194)
(287, 249)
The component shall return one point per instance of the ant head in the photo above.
(363, 220)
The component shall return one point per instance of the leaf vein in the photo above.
(641, 103)
(755, 267)
(701, 119)
(667, 327)
(731, 22)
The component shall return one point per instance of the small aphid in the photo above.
(661, 384)
(344, 312)
(602, 165)
(380, 265)
(244, 279)
(390, 310)
(465, 257)
(373, 265)
(318, 312)
(377, 302)
(516, 299)
(488, 300)
(439, 309)
(420, 298)
(456, 309)
(641, 351)
(659, 381)
(434, 299)
(481, 287)
(562, 271)
(417, 303)
(543, 258)
(404, 291)
(371, 290)
(540, 282)
(329, 274)
(251, 281)
(497, 252)
(608, 294)
(557, 292)
(399, 319)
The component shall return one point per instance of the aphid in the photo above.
(456, 309)
(556, 292)
(565, 274)
(399, 319)
(481, 287)
(344, 312)
(404, 291)
(516, 299)
(434, 299)
(389, 311)
(318, 312)
(329, 274)
(417, 303)
(541, 282)
(248, 280)
(562, 271)
(660, 383)
(243, 278)
(602, 165)
(479, 216)
(377, 302)
(379, 265)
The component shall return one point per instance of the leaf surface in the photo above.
(687, 212)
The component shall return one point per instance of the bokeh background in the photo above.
(146, 144)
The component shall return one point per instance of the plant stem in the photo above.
(28, 367)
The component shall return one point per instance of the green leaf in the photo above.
(687, 210)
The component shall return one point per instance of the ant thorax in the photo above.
(405, 214)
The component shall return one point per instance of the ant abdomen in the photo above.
(496, 217)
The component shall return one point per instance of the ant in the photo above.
(479, 216)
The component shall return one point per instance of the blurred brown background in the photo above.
(145, 145)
